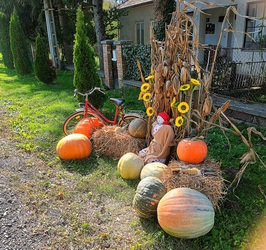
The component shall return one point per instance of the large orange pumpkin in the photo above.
(185, 213)
(87, 126)
(191, 151)
(74, 146)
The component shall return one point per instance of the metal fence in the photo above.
(238, 73)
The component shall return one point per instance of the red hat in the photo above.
(166, 117)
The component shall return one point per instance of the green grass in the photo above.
(33, 117)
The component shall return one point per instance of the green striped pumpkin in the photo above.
(185, 213)
(148, 194)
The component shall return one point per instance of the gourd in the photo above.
(155, 169)
(137, 128)
(74, 146)
(87, 126)
(185, 213)
(192, 151)
(148, 194)
(129, 166)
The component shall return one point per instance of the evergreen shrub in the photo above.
(19, 46)
(5, 41)
(86, 72)
(43, 65)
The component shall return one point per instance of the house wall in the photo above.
(142, 13)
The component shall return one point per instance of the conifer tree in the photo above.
(19, 47)
(85, 73)
(5, 41)
(43, 66)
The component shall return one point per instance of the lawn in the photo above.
(93, 201)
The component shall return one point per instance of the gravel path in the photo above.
(18, 225)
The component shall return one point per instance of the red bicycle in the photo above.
(88, 110)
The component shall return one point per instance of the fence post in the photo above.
(120, 61)
(107, 62)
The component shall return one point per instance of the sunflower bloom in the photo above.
(183, 107)
(144, 87)
(150, 111)
(179, 121)
(147, 97)
(141, 95)
(184, 87)
(151, 77)
(195, 82)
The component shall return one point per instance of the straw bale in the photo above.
(114, 141)
(207, 179)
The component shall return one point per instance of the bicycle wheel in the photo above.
(73, 120)
(127, 119)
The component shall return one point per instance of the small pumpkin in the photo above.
(137, 128)
(148, 194)
(74, 146)
(87, 126)
(192, 151)
(185, 213)
(155, 169)
(130, 165)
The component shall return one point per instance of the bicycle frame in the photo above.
(89, 108)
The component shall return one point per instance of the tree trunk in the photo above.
(99, 26)
(67, 47)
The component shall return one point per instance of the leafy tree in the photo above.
(5, 41)
(86, 73)
(19, 46)
(43, 66)
(163, 10)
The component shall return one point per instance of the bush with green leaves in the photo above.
(19, 46)
(5, 41)
(132, 54)
(86, 72)
(43, 65)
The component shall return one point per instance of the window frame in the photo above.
(139, 32)
(252, 26)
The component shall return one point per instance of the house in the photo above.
(136, 26)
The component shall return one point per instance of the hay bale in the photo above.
(205, 177)
(115, 141)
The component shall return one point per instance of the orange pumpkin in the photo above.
(191, 151)
(74, 146)
(87, 126)
(185, 213)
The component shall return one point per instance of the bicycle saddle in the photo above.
(117, 101)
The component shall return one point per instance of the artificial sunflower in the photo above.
(145, 87)
(150, 77)
(141, 95)
(184, 87)
(147, 97)
(183, 107)
(150, 111)
(195, 82)
(179, 121)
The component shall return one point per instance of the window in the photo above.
(256, 28)
(140, 32)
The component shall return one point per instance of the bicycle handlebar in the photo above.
(89, 92)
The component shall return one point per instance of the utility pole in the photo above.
(50, 24)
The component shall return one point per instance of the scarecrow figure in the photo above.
(163, 136)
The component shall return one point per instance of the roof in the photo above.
(134, 3)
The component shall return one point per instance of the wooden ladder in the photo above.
(50, 24)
